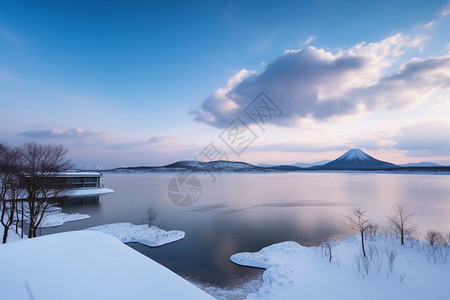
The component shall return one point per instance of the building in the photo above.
(78, 184)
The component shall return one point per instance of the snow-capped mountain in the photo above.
(355, 159)
(218, 165)
(195, 166)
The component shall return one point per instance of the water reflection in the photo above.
(78, 201)
(246, 212)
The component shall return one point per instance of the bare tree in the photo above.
(327, 249)
(371, 230)
(41, 163)
(400, 222)
(358, 222)
(434, 237)
(10, 191)
(436, 248)
(151, 216)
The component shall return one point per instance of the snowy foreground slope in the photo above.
(297, 272)
(86, 265)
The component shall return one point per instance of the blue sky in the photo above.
(150, 82)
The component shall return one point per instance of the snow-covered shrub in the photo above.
(371, 231)
(391, 255)
(434, 237)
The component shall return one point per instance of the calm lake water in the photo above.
(246, 212)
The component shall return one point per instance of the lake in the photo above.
(246, 212)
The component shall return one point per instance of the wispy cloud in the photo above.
(153, 142)
(74, 133)
(446, 10)
(429, 25)
(308, 40)
(299, 147)
(427, 138)
(11, 37)
(319, 84)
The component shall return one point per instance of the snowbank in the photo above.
(130, 233)
(12, 235)
(87, 192)
(86, 265)
(54, 219)
(295, 272)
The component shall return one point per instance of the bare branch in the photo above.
(151, 216)
(358, 222)
(400, 222)
(41, 163)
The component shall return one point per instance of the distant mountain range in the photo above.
(299, 164)
(195, 166)
(422, 164)
(314, 164)
(352, 160)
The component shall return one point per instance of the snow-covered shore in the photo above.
(130, 233)
(295, 272)
(54, 219)
(86, 265)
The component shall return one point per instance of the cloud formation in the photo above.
(428, 138)
(156, 142)
(320, 84)
(446, 10)
(57, 133)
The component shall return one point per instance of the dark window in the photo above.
(91, 182)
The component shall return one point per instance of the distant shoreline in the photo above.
(282, 169)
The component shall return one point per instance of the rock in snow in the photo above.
(86, 265)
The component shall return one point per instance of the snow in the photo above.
(295, 272)
(78, 174)
(86, 265)
(130, 233)
(54, 219)
(236, 291)
(87, 192)
(12, 235)
(355, 154)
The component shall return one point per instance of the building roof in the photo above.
(78, 174)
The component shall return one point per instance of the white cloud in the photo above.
(319, 84)
(446, 10)
(429, 25)
(155, 142)
(427, 138)
(219, 103)
(308, 40)
(58, 133)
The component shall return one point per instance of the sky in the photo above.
(127, 83)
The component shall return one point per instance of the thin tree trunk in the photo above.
(362, 244)
(30, 231)
(21, 221)
(5, 235)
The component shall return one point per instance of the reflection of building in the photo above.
(79, 201)
(79, 184)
